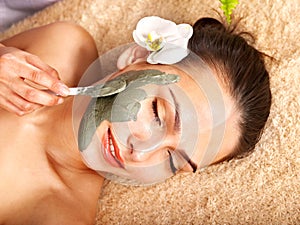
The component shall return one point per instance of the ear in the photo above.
(132, 55)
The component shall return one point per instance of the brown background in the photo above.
(263, 188)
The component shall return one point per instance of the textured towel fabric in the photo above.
(263, 188)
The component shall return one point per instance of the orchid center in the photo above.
(154, 41)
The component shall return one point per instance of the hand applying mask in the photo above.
(21, 73)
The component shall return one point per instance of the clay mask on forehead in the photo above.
(120, 109)
(124, 108)
(123, 111)
(100, 109)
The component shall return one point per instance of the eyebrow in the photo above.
(177, 128)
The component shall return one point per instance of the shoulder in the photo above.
(73, 50)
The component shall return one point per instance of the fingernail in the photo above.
(60, 101)
(20, 113)
(64, 90)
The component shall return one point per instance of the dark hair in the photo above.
(242, 69)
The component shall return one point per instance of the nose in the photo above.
(144, 138)
(138, 156)
(148, 143)
(139, 130)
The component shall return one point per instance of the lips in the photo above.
(111, 152)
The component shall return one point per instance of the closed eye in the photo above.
(173, 168)
(155, 111)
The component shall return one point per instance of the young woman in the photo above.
(209, 107)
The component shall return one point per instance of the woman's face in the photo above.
(177, 128)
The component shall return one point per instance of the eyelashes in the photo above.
(155, 112)
(158, 120)
(173, 168)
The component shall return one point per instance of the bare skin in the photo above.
(43, 180)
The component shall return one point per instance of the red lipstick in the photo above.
(111, 151)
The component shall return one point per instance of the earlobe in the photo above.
(132, 55)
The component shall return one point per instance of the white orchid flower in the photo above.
(157, 41)
(166, 41)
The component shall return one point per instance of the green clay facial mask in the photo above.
(124, 111)
(100, 109)
(121, 135)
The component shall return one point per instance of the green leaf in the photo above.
(228, 6)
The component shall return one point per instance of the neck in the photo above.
(40, 151)
(64, 152)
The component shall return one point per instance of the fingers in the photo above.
(44, 75)
(16, 104)
(34, 95)
(38, 63)
(7, 105)
(21, 97)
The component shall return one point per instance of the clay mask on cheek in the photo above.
(153, 138)
(100, 109)
(124, 107)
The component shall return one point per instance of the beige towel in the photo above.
(263, 188)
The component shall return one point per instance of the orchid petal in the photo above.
(139, 39)
(161, 26)
(179, 42)
(185, 30)
(168, 55)
(165, 41)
